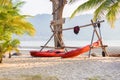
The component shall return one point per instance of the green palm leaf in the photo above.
(114, 10)
(110, 9)
(102, 9)
(91, 4)
(12, 22)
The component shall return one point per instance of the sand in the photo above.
(78, 68)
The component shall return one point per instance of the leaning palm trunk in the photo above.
(58, 6)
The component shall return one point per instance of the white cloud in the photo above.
(34, 7)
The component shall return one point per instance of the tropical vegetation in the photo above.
(110, 9)
(12, 22)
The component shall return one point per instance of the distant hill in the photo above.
(43, 31)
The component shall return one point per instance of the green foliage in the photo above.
(12, 22)
(31, 77)
(34, 77)
(8, 46)
(86, 6)
(94, 78)
(40, 77)
(103, 8)
(12, 45)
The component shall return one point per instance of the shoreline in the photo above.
(96, 51)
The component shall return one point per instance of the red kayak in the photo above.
(49, 53)
(70, 54)
(79, 51)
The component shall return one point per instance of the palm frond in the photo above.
(72, 1)
(18, 4)
(25, 26)
(91, 4)
(103, 9)
(114, 10)
(3, 2)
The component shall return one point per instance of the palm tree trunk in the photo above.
(0, 60)
(10, 55)
(58, 6)
(1, 56)
(58, 37)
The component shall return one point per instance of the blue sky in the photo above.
(34, 7)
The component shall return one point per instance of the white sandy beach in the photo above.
(78, 68)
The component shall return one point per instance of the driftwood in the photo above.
(110, 55)
(114, 55)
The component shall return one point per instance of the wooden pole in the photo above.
(47, 42)
(104, 53)
(84, 25)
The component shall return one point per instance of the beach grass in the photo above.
(30, 77)
(94, 78)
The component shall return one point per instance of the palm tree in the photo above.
(12, 46)
(109, 9)
(58, 6)
(9, 46)
(12, 22)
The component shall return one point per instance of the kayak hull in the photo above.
(79, 51)
(69, 54)
(46, 53)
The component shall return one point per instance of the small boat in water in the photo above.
(69, 54)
